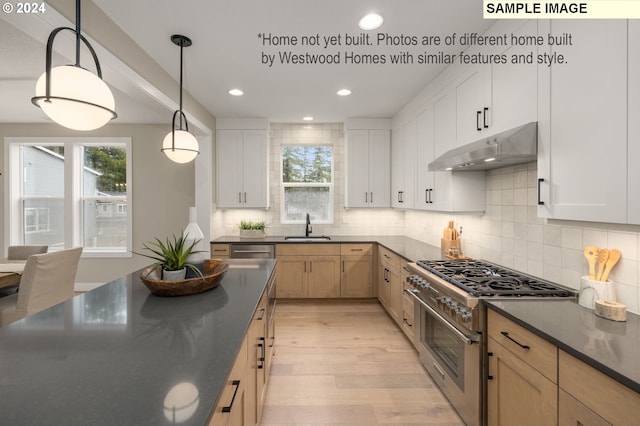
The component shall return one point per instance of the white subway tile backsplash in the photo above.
(572, 238)
(626, 242)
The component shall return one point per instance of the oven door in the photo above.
(452, 358)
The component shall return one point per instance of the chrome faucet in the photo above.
(308, 229)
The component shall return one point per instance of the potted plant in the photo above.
(172, 256)
(249, 229)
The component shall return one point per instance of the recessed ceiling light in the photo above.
(370, 22)
(307, 118)
(344, 92)
(488, 160)
(449, 168)
(236, 92)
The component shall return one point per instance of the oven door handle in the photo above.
(474, 338)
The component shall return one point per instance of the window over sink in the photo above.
(307, 183)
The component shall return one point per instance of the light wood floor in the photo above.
(346, 363)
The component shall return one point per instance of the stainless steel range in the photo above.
(451, 322)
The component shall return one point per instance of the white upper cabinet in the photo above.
(403, 166)
(242, 168)
(368, 168)
(633, 151)
(514, 87)
(582, 148)
(473, 105)
(443, 191)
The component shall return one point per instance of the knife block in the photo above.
(450, 248)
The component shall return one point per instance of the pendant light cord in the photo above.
(78, 14)
(181, 67)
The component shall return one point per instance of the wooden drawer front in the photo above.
(572, 413)
(534, 350)
(392, 261)
(611, 400)
(232, 406)
(356, 249)
(219, 250)
(310, 249)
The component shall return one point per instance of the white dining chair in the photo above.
(48, 279)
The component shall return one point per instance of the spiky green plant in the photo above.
(260, 226)
(171, 255)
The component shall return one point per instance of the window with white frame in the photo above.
(69, 192)
(307, 183)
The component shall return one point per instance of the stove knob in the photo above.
(443, 301)
(423, 283)
(463, 315)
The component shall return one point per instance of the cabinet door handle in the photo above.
(426, 196)
(478, 114)
(228, 408)
(540, 202)
(343, 266)
(484, 117)
(372, 197)
(489, 376)
(505, 334)
(239, 197)
(366, 197)
(310, 266)
(262, 314)
(245, 197)
(262, 356)
(400, 196)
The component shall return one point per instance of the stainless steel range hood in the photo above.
(515, 146)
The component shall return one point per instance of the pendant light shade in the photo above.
(180, 145)
(71, 95)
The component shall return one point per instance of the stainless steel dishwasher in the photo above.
(252, 251)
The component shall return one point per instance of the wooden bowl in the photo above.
(213, 270)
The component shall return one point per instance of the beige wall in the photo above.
(162, 191)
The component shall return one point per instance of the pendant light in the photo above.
(180, 145)
(71, 95)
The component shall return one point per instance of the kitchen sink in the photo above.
(308, 239)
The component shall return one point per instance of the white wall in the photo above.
(163, 191)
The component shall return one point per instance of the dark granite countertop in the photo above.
(408, 248)
(116, 355)
(609, 346)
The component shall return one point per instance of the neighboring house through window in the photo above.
(307, 183)
(69, 192)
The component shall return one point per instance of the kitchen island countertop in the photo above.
(118, 355)
(609, 346)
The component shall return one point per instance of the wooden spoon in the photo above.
(603, 256)
(591, 254)
(614, 256)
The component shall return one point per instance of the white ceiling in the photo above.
(226, 53)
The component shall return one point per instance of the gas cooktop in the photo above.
(481, 278)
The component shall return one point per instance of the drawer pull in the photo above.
(227, 409)
(261, 317)
(505, 334)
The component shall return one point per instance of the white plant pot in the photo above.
(174, 275)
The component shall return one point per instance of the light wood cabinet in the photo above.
(235, 402)
(219, 251)
(242, 168)
(522, 386)
(600, 398)
(308, 270)
(573, 413)
(389, 285)
(583, 125)
(257, 371)
(368, 174)
(408, 313)
(357, 270)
